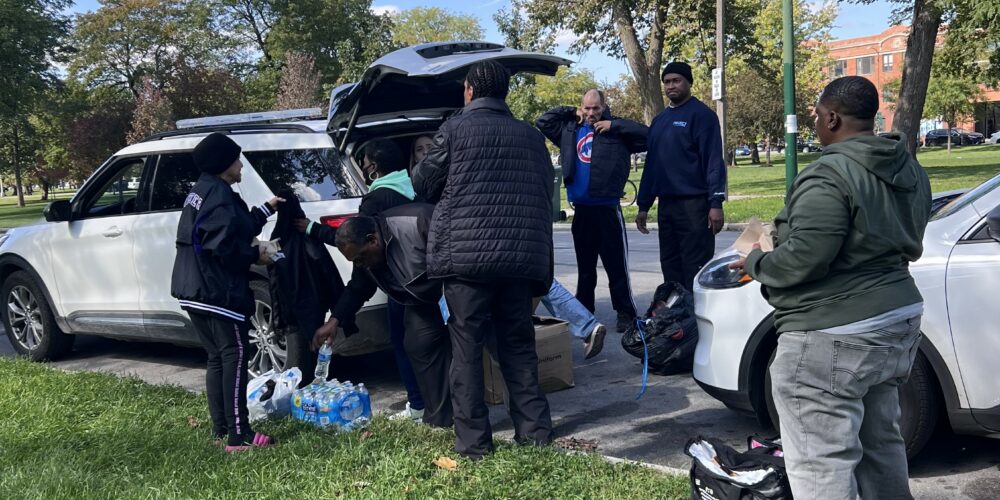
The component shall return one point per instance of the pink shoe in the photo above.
(259, 441)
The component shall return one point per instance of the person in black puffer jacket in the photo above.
(491, 243)
(211, 280)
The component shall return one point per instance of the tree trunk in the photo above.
(916, 71)
(645, 63)
(17, 167)
(767, 149)
(754, 155)
(949, 141)
(46, 187)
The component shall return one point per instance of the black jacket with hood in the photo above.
(215, 250)
(491, 178)
(609, 164)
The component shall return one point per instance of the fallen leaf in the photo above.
(366, 434)
(446, 464)
(361, 484)
(193, 421)
(577, 444)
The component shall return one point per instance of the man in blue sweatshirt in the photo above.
(686, 171)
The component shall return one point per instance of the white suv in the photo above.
(100, 264)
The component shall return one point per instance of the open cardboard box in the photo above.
(555, 360)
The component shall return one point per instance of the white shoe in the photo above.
(409, 413)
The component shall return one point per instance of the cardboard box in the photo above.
(755, 233)
(555, 360)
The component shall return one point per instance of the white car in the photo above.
(995, 138)
(101, 263)
(954, 376)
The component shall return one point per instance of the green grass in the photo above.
(758, 190)
(12, 215)
(88, 435)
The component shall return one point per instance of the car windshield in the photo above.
(967, 198)
(313, 174)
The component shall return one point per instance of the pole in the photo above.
(720, 62)
(791, 122)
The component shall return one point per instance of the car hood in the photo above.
(413, 80)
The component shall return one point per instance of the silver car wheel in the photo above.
(270, 351)
(25, 317)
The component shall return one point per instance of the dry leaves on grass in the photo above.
(365, 435)
(193, 421)
(446, 464)
(577, 444)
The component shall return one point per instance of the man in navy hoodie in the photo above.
(686, 171)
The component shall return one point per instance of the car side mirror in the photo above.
(993, 224)
(62, 211)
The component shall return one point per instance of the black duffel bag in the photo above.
(669, 329)
(719, 472)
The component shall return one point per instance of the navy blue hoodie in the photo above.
(685, 156)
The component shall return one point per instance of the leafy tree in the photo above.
(624, 99)
(152, 113)
(125, 41)
(250, 22)
(195, 90)
(433, 24)
(300, 82)
(33, 32)
(951, 98)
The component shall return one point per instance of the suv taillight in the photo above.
(334, 221)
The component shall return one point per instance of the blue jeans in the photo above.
(560, 304)
(396, 334)
(563, 305)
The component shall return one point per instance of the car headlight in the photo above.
(717, 274)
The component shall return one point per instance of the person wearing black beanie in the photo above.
(686, 172)
(210, 280)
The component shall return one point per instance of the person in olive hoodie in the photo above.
(847, 310)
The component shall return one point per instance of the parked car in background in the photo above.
(995, 138)
(954, 375)
(743, 151)
(970, 138)
(894, 135)
(939, 137)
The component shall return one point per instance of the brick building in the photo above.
(879, 58)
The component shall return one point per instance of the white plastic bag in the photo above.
(268, 396)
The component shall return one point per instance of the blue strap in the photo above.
(645, 358)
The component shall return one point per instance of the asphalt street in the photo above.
(602, 407)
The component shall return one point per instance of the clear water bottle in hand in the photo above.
(323, 362)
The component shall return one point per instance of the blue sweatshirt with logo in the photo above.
(685, 156)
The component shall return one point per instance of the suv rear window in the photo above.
(313, 174)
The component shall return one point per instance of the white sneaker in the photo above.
(414, 415)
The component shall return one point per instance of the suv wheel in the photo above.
(918, 405)
(29, 322)
(268, 348)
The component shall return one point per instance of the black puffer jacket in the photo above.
(491, 178)
(609, 162)
(214, 250)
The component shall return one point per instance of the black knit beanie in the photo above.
(680, 68)
(215, 153)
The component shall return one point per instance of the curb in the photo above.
(663, 469)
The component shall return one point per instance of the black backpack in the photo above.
(669, 329)
(719, 472)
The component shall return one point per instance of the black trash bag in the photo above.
(720, 472)
(670, 330)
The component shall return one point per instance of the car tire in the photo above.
(28, 319)
(268, 350)
(918, 403)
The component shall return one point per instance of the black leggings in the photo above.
(227, 344)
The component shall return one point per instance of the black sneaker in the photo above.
(624, 322)
(595, 341)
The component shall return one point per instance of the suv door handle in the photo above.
(112, 232)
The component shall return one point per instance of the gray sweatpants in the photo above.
(837, 400)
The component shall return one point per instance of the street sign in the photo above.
(716, 84)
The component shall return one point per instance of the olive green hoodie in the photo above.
(853, 221)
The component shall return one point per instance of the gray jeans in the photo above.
(837, 400)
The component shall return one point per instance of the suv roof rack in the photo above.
(233, 129)
(244, 118)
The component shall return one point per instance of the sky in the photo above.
(852, 21)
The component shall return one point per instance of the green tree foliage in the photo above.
(31, 36)
(433, 24)
(950, 98)
(566, 88)
(624, 99)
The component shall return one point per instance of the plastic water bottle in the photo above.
(366, 405)
(309, 405)
(323, 413)
(323, 362)
(297, 396)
